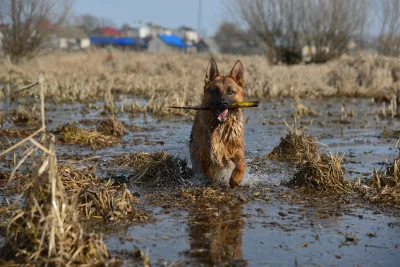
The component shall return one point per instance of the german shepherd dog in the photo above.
(216, 142)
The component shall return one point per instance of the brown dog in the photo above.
(216, 141)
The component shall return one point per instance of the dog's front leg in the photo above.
(238, 171)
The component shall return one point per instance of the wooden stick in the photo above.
(248, 104)
(41, 81)
(22, 141)
(23, 89)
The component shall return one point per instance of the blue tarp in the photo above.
(174, 40)
(114, 41)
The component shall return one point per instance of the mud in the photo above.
(262, 222)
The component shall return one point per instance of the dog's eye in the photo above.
(229, 91)
(213, 91)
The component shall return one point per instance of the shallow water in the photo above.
(273, 230)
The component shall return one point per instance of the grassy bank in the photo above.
(177, 79)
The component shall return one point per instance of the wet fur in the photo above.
(216, 147)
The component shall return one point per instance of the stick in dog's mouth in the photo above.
(247, 104)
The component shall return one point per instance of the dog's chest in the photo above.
(225, 141)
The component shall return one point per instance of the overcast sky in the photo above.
(167, 13)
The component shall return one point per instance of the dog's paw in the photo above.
(233, 183)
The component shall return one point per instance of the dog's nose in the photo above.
(223, 103)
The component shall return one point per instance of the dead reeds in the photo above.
(384, 186)
(71, 134)
(157, 169)
(22, 116)
(97, 198)
(111, 126)
(47, 231)
(1, 118)
(316, 170)
(296, 145)
(321, 172)
(175, 79)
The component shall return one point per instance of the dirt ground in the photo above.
(261, 223)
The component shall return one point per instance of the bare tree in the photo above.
(88, 22)
(388, 16)
(227, 35)
(29, 20)
(328, 26)
(275, 22)
(288, 25)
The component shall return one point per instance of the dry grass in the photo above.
(384, 186)
(158, 169)
(303, 110)
(47, 230)
(1, 118)
(77, 179)
(316, 170)
(177, 79)
(322, 172)
(71, 134)
(366, 76)
(22, 116)
(296, 146)
(111, 126)
(97, 198)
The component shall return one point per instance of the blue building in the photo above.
(169, 43)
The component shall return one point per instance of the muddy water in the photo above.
(271, 227)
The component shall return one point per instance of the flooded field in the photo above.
(262, 222)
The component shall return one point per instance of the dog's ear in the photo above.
(237, 73)
(212, 71)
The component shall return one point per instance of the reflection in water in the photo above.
(216, 235)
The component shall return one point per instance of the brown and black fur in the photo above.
(217, 146)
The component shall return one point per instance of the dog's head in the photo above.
(221, 91)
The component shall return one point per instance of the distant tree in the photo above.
(231, 39)
(388, 16)
(330, 25)
(29, 20)
(286, 26)
(226, 35)
(277, 23)
(90, 22)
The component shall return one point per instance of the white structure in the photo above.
(69, 38)
(156, 30)
(188, 35)
(140, 30)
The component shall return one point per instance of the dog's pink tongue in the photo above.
(222, 115)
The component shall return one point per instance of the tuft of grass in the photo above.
(110, 202)
(47, 231)
(22, 116)
(295, 145)
(97, 198)
(384, 187)
(158, 169)
(71, 134)
(316, 170)
(303, 110)
(111, 126)
(322, 172)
